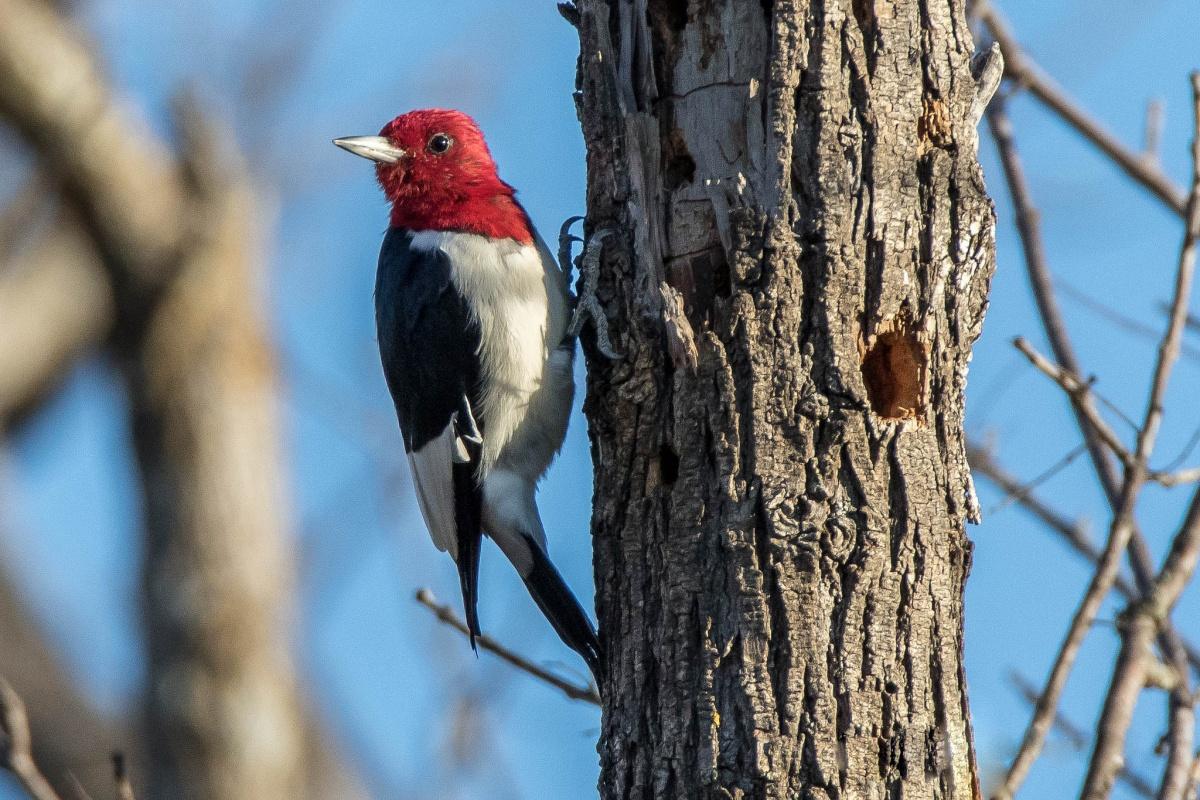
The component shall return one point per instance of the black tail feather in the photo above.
(556, 601)
(468, 513)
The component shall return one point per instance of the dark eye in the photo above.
(439, 143)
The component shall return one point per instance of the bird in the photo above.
(476, 339)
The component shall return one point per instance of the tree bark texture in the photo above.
(801, 251)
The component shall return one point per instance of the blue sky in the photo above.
(387, 677)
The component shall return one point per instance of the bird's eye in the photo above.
(439, 143)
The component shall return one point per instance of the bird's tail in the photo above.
(558, 603)
(467, 512)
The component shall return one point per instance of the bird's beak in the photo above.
(376, 148)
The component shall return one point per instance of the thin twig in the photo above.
(77, 787)
(1136, 473)
(1077, 737)
(1078, 389)
(1074, 532)
(1129, 676)
(1021, 68)
(16, 745)
(1080, 392)
(444, 614)
(1152, 136)
(1024, 489)
(1121, 320)
(1060, 342)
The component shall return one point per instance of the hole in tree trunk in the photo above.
(673, 13)
(679, 168)
(668, 464)
(894, 368)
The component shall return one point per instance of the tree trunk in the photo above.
(223, 721)
(800, 265)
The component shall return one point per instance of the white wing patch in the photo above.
(433, 476)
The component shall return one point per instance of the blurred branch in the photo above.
(1075, 534)
(1121, 493)
(121, 178)
(1078, 738)
(16, 746)
(1022, 70)
(1080, 391)
(585, 693)
(1193, 783)
(178, 239)
(22, 213)
(1143, 618)
(73, 734)
(1152, 135)
(1121, 320)
(55, 279)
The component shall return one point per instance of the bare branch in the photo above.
(1180, 735)
(1073, 532)
(1078, 738)
(1079, 390)
(1056, 331)
(1130, 674)
(57, 278)
(16, 746)
(130, 197)
(1075, 735)
(1152, 138)
(1080, 393)
(21, 213)
(1120, 493)
(1022, 69)
(1193, 783)
(178, 238)
(445, 615)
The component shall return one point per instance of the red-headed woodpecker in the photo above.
(473, 314)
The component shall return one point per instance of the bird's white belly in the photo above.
(527, 382)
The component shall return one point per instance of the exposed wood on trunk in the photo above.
(780, 533)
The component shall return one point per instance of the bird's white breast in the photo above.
(520, 305)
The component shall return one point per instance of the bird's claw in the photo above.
(565, 240)
(586, 304)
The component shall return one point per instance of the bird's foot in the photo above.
(565, 240)
(586, 303)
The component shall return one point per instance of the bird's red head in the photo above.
(435, 168)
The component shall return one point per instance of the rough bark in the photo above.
(779, 522)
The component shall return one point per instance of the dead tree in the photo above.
(797, 266)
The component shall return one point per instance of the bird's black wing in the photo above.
(429, 346)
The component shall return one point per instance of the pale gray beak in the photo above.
(376, 148)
